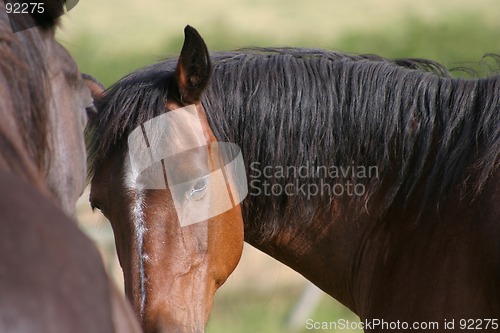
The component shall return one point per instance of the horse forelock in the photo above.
(425, 131)
(132, 101)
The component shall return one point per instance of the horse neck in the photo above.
(323, 251)
(446, 265)
(390, 267)
(361, 260)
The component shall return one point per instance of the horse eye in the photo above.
(200, 185)
(91, 111)
(95, 206)
(198, 190)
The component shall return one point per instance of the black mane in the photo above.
(292, 107)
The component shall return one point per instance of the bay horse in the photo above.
(375, 179)
(51, 275)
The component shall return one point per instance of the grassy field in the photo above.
(112, 38)
(266, 312)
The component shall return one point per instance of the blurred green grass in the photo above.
(458, 41)
(250, 312)
(111, 39)
(461, 41)
(121, 36)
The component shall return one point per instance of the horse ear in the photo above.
(96, 91)
(96, 88)
(48, 18)
(193, 68)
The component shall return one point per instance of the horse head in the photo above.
(172, 263)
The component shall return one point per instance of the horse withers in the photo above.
(376, 179)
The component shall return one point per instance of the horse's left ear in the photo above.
(193, 68)
(95, 86)
(97, 91)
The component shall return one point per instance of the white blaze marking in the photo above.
(137, 212)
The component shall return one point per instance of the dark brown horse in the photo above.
(376, 179)
(51, 275)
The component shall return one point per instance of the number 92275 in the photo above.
(24, 8)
